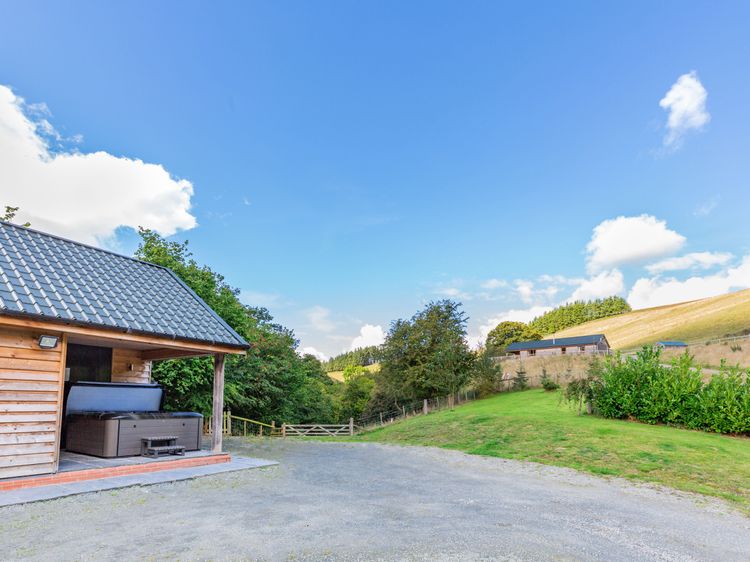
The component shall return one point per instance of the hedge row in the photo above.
(643, 388)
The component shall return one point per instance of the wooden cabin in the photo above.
(596, 343)
(72, 312)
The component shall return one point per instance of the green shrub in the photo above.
(547, 382)
(643, 388)
(585, 390)
(520, 381)
(724, 403)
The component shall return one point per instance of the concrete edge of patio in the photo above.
(43, 493)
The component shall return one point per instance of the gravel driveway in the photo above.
(337, 501)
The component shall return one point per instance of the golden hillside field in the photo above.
(700, 320)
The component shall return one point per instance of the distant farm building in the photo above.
(670, 344)
(596, 343)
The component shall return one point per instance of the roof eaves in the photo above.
(120, 330)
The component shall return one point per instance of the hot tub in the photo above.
(110, 419)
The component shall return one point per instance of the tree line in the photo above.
(362, 357)
(578, 312)
(560, 318)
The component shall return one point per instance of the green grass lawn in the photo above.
(535, 426)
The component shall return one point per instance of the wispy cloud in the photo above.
(319, 318)
(685, 103)
(695, 260)
(707, 207)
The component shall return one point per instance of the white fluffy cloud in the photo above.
(602, 285)
(695, 260)
(686, 104)
(627, 240)
(85, 196)
(314, 352)
(657, 291)
(368, 335)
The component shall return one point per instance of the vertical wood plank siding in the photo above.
(30, 402)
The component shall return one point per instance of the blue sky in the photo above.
(345, 162)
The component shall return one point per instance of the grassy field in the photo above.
(734, 353)
(534, 426)
(697, 320)
(339, 375)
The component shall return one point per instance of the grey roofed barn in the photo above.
(50, 278)
(557, 342)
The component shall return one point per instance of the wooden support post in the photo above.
(218, 405)
(283, 430)
(351, 426)
(403, 410)
(425, 408)
(381, 418)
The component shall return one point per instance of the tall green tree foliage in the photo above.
(356, 394)
(271, 383)
(361, 356)
(506, 333)
(579, 312)
(425, 356)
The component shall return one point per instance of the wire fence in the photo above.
(406, 409)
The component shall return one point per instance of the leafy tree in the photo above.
(487, 373)
(358, 388)
(10, 214)
(425, 356)
(506, 333)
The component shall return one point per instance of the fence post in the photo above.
(227, 428)
(261, 431)
(381, 418)
(283, 430)
(403, 410)
(351, 426)
(424, 406)
(437, 400)
(273, 426)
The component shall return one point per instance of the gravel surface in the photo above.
(341, 501)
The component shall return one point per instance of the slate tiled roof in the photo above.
(557, 342)
(48, 277)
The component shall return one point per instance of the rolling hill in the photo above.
(714, 317)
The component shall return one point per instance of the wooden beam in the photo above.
(165, 353)
(218, 411)
(118, 336)
(60, 393)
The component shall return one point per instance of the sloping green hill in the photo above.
(536, 426)
(699, 320)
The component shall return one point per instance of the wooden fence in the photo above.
(237, 425)
(244, 427)
(317, 430)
